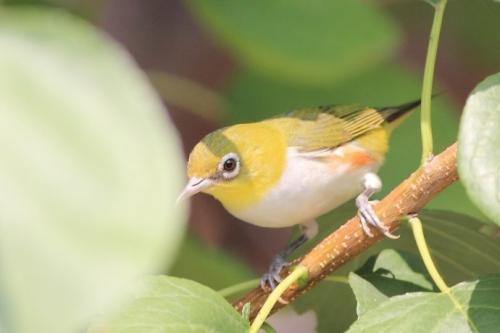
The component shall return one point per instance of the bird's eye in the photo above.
(229, 166)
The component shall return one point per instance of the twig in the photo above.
(349, 240)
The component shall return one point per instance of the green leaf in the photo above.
(214, 268)
(458, 246)
(90, 167)
(301, 41)
(461, 251)
(388, 274)
(478, 142)
(334, 305)
(468, 307)
(168, 304)
(397, 265)
(367, 295)
(253, 97)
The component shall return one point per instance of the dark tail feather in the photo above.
(392, 113)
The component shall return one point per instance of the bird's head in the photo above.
(236, 164)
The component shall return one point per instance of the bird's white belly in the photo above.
(308, 188)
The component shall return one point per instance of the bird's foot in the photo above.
(272, 277)
(366, 214)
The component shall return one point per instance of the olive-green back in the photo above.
(319, 128)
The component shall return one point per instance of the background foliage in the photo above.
(90, 166)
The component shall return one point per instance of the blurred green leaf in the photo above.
(468, 307)
(26, 2)
(472, 30)
(478, 147)
(214, 268)
(470, 42)
(388, 274)
(169, 304)
(188, 95)
(315, 41)
(253, 97)
(89, 170)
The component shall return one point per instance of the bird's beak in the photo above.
(194, 185)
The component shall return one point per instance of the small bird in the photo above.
(290, 169)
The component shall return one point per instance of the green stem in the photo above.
(275, 295)
(418, 233)
(427, 144)
(240, 287)
(430, 63)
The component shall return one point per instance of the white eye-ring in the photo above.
(229, 165)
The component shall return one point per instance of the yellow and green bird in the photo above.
(290, 169)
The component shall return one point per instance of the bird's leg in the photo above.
(272, 277)
(371, 184)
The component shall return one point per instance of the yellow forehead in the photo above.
(202, 162)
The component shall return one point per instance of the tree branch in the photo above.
(349, 240)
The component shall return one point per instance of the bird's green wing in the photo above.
(326, 127)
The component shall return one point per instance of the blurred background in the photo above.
(220, 62)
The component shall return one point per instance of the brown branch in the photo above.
(349, 240)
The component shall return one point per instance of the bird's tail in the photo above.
(394, 115)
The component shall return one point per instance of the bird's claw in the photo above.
(272, 277)
(367, 216)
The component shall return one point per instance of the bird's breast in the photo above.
(312, 184)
